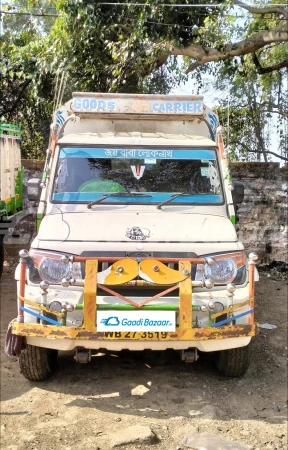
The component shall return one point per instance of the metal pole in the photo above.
(23, 266)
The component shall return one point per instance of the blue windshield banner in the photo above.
(145, 153)
(153, 197)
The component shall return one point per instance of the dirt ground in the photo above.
(81, 405)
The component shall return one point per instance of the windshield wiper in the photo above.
(117, 194)
(180, 194)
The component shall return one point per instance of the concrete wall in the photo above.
(262, 216)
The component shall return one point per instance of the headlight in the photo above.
(229, 267)
(224, 271)
(51, 268)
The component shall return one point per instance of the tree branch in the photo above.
(261, 70)
(123, 27)
(203, 54)
(271, 153)
(258, 151)
(255, 10)
(265, 105)
(279, 112)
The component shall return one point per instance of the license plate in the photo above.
(146, 335)
(136, 321)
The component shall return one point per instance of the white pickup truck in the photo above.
(136, 246)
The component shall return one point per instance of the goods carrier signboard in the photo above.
(137, 104)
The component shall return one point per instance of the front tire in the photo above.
(37, 363)
(234, 362)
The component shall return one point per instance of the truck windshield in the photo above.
(85, 174)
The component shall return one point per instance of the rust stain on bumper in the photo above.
(221, 333)
(90, 335)
(28, 331)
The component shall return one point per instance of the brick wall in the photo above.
(263, 214)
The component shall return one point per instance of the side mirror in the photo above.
(34, 189)
(238, 192)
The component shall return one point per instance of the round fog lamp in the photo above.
(55, 306)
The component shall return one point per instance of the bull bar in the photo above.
(171, 279)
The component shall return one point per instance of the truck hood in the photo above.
(135, 227)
